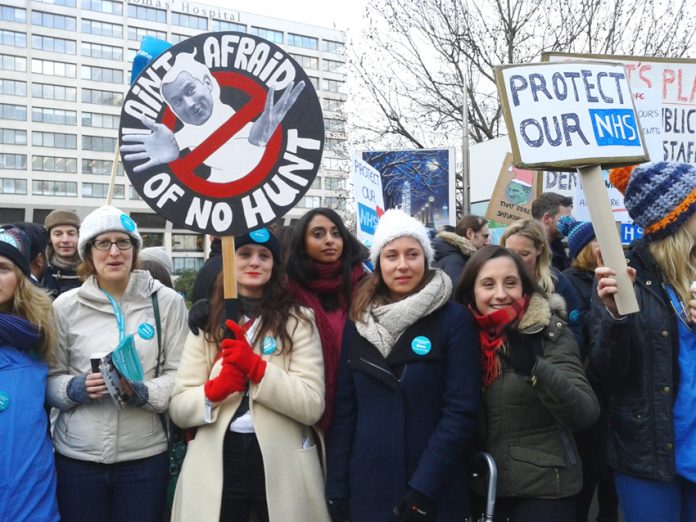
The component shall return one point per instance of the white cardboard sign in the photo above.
(570, 114)
(369, 199)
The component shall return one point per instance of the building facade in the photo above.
(64, 71)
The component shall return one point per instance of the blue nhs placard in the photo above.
(368, 219)
(629, 232)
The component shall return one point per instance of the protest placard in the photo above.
(665, 98)
(580, 115)
(369, 199)
(570, 114)
(513, 194)
(222, 133)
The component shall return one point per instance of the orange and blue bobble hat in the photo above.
(660, 197)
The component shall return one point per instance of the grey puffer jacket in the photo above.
(99, 431)
(528, 423)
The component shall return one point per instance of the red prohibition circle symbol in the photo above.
(183, 168)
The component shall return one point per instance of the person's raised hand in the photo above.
(607, 286)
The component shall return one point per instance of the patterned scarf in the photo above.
(492, 328)
(329, 280)
(18, 332)
(382, 325)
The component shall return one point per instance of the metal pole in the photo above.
(466, 204)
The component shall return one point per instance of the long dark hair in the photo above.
(300, 268)
(276, 306)
(465, 291)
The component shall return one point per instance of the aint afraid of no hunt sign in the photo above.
(222, 133)
(570, 114)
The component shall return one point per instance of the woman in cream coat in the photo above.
(262, 461)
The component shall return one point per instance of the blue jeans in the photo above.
(132, 491)
(644, 500)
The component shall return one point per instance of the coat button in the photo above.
(559, 324)
(648, 283)
(666, 389)
(551, 334)
(664, 333)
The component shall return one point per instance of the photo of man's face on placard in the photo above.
(237, 116)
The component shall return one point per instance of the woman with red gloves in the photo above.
(253, 400)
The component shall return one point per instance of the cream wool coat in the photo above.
(288, 400)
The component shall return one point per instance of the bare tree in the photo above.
(417, 56)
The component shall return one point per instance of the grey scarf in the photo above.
(383, 325)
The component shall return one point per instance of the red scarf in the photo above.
(492, 328)
(329, 280)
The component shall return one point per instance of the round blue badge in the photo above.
(262, 235)
(4, 401)
(127, 223)
(146, 331)
(574, 316)
(269, 345)
(421, 345)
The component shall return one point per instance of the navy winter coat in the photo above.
(636, 360)
(391, 434)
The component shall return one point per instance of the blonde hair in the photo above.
(532, 230)
(586, 258)
(34, 304)
(676, 257)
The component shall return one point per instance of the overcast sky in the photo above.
(344, 14)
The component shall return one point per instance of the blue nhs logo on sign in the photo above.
(615, 127)
(368, 219)
(629, 232)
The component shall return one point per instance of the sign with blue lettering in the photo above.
(564, 115)
(369, 198)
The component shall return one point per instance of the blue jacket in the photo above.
(391, 434)
(27, 470)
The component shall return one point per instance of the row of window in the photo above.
(61, 45)
(151, 14)
(60, 140)
(58, 116)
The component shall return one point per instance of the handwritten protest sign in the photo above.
(514, 192)
(577, 114)
(223, 133)
(570, 114)
(369, 199)
(665, 98)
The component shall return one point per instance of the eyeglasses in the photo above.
(105, 244)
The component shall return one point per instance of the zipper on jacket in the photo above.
(390, 374)
(558, 481)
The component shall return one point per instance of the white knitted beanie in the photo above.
(394, 224)
(106, 219)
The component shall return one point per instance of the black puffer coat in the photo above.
(635, 358)
(452, 251)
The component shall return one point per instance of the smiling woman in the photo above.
(408, 390)
(103, 449)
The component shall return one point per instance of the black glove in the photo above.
(198, 315)
(338, 509)
(416, 507)
(522, 351)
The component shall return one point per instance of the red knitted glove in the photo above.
(238, 352)
(230, 380)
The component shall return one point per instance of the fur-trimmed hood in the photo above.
(460, 243)
(539, 312)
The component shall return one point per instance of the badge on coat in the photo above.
(269, 345)
(4, 401)
(421, 345)
(146, 331)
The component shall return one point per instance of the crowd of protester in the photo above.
(329, 391)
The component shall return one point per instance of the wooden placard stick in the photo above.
(607, 236)
(229, 279)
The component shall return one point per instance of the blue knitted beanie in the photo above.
(579, 233)
(660, 197)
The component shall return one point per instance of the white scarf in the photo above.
(383, 325)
